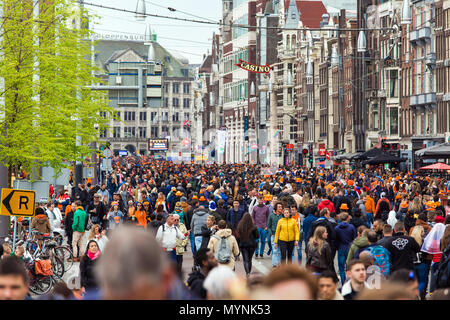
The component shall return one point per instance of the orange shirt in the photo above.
(141, 217)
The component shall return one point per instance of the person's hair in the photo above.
(222, 224)
(402, 276)
(388, 291)
(77, 203)
(245, 227)
(212, 218)
(431, 215)
(344, 216)
(445, 240)
(220, 203)
(423, 216)
(159, 217)
(361, 229)
(201, 255)
(13, 266)
(447, 219)
(278, 204)
(372, 236)
(399, 226)
(7, 248)
(131, 256)
(387, 228)
(306, 201)
(416, 233)
(92, 233)
(60, 290)
(217, 283)
(89, 243)
(21, 249)
(317, 239)
(352, 263)
(324, 211)
(287, 272)
(330, 275)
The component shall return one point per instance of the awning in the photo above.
(372, 153)
(345, 156)
(436, 166)
(438, 151)
(384, 158)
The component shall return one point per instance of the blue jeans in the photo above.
(434, 267)
(422, 271)
(369, 218)
(192, 241)
(261, 241)
(198, 242)
(276, 253)
(342, 258)
(299, 252)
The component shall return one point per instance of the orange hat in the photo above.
(398, 196)
(174, 189)
(268, 197)
(194, 197)
(178, 194)
(404, 204)
(202, 198)
(350, 183)
(114, 203)
(343, 206)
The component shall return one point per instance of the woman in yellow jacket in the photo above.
(286, 236)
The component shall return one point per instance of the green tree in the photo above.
(47, 72)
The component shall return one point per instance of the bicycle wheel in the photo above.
(57, 266)
(41, 284)
(32, 247)
(66, 255)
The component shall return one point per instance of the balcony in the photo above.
(412, 101)
(430, 60)
(447, 62)
(423, 101)
(421, 36)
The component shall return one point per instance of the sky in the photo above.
(188, 39)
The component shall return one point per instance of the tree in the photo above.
(47, 73)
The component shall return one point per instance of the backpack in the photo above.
(223, 253)
(385, 215)
(382, 258)
(443, 272)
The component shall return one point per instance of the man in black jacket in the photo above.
(403, 249)
(205, 261)
(97, 211)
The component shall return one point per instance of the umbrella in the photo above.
(442, 150)
(436, 166)
(384, 158)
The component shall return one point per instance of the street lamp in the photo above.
(406, 13)
(141, 13)
(362, 43)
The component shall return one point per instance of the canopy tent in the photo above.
(436, 166)
(322, 163)
(439, 151)
(372, 153)
(384, 158)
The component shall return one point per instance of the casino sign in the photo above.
(253, 68)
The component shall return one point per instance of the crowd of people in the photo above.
(387, 230)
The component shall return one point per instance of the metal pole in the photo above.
(14, 233)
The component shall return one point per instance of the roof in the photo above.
(106, 50)
(310, 12)
(206, 65)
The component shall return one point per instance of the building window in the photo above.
(176, 87)
(130, 116)
(143, 116)
(186, 88)
(393, 119)
(153, 116)
(116, 132)
(166, 102)
(175, 117)
(154, 132)
(175, 103)
(165, 116)
(166, 87)
(186, 103)
(103, 133)
(142, 132)
(118, 118)
(130, 132)
(186, 116)
(103, 114)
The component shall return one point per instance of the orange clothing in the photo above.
(370, 204)
(141, 217)
(68, 209)
(131, 211)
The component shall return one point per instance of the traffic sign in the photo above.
(107, 153)
(18, 202)
(89, 173)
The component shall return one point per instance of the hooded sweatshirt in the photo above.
(41, 223)
(359, 242)
(79, 220)
(345, 234)
(326, 204)
(234, 248)
(198, 220)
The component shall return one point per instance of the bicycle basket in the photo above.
(43, 267)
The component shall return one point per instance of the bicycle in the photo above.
(47, 251)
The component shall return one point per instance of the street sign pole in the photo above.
(14, 234)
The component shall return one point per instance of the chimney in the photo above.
(325, 20)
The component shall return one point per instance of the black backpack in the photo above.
(443, 272)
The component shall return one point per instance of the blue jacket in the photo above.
(345, 234)
(233, 217)
(307, 225)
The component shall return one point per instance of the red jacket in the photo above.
(326, 204)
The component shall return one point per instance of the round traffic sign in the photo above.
(107, 153)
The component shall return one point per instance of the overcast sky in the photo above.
(114, 22)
